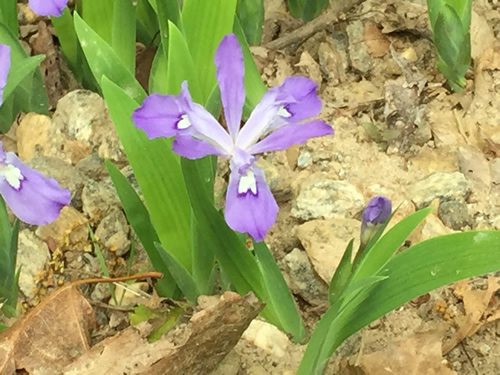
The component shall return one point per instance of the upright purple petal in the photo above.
(230, 75)
(250, 206)
(4, 68)
(289, 135)
(191, 148)
(301, 99)
(48, 7)
(32, 197)
(159, 116)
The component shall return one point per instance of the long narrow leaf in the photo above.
(123, 32)
(158, 173)
(138, 217)
(418, 270)
(205, 24)
(105, 62)
(279, 294)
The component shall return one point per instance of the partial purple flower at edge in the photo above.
(4, 68)
(377, 212)
(275, 124)
(32, 197)
(48, 7)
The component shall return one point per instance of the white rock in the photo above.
(268, 338)
(323, 198)
(32, 256)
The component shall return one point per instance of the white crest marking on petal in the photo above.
(12, 175)
(247, 182)
(184, 122)
(283, 112)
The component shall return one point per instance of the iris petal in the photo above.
(4, 67)
(38, 200)
(302, 101)
(289, 135)
(192, 148)
(250, 213)
(230, 75)
(48, 7)
(158, 116)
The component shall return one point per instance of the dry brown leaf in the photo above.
(419, 353)
(479, 306)
(50, 336)
(53, 334)
(376, 42)
(43, 44)
(197, 348)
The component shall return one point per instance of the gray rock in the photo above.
(92, 167)
(101, 292)
(301, 278)
(277, 179)
(443, 185)
(98, 199)
(304, 160)
(322, 198)
(32, 256)
(358, 52)
(113, 232)
(68, 176)
(83, 116)
(454, 214)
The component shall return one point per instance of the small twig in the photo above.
(112, 307)
(305, 31)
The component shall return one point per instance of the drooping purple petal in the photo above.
(250, 208)
(302, 101)
(191, 148)
(48, 7)
(158, 116)
(289, 135)
(230, 75)
(32, 197)
(4, 68)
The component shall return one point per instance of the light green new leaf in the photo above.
(105, 62)
(98, 15)
(158, 174)
(205, 24)
(8, 15)
(123, 32)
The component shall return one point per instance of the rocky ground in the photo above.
(399, 132)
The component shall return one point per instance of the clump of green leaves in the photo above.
(450, 22)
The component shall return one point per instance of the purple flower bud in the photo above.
(377, 211)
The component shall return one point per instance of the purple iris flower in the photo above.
(48, 7)
(275, 124)
(32, 197)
